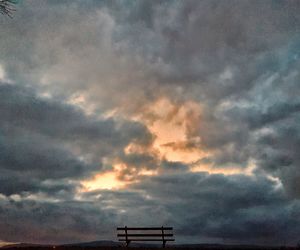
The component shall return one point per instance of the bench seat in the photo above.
(157, 234)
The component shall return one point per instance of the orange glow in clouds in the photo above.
(175, 127)
(110, 180)
(171, 124)
(107, 180)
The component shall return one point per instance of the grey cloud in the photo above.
(190, 43)
(208, 208)
(238, 59)
(277, 153)
(22, 108)
(223, 53)
(136, 163)
(43, 139)
(193, 42)
(268, 121)
(169, 167)
(61, 222)
(140, 160)
(230, 208)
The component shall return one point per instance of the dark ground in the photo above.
(150, 248)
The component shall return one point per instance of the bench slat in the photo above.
(159, 234)
(145, 228)
(146, 235)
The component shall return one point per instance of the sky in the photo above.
(150, 113)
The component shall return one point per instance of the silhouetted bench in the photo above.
(130, 234)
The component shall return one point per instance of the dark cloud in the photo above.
(239, 60)
(43, 139)
(173, 167)
(231, 208)
(277, 153)
(200, 206)
(242, 66)
(211, 208)
(25, 110)
(193, 43)
(48, 222)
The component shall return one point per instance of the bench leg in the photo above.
(164, 244)
(127, 243)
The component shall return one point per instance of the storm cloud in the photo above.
(190, 107)
(46, 140)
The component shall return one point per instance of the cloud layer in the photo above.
(191, 106)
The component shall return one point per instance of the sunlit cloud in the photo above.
(2, 73)
(234, 170)
(5, 243)
(171, 123)
(79, 100)
(108, 180)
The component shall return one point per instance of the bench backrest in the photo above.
(129, 234)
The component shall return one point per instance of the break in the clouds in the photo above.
(118, 112)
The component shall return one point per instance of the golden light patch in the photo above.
(107, 180)
(136, 148)
(2, 73)
(172, 124)
(247, 170)
(148, 172)
(5, 243)
(175, 127)
(80, 100)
